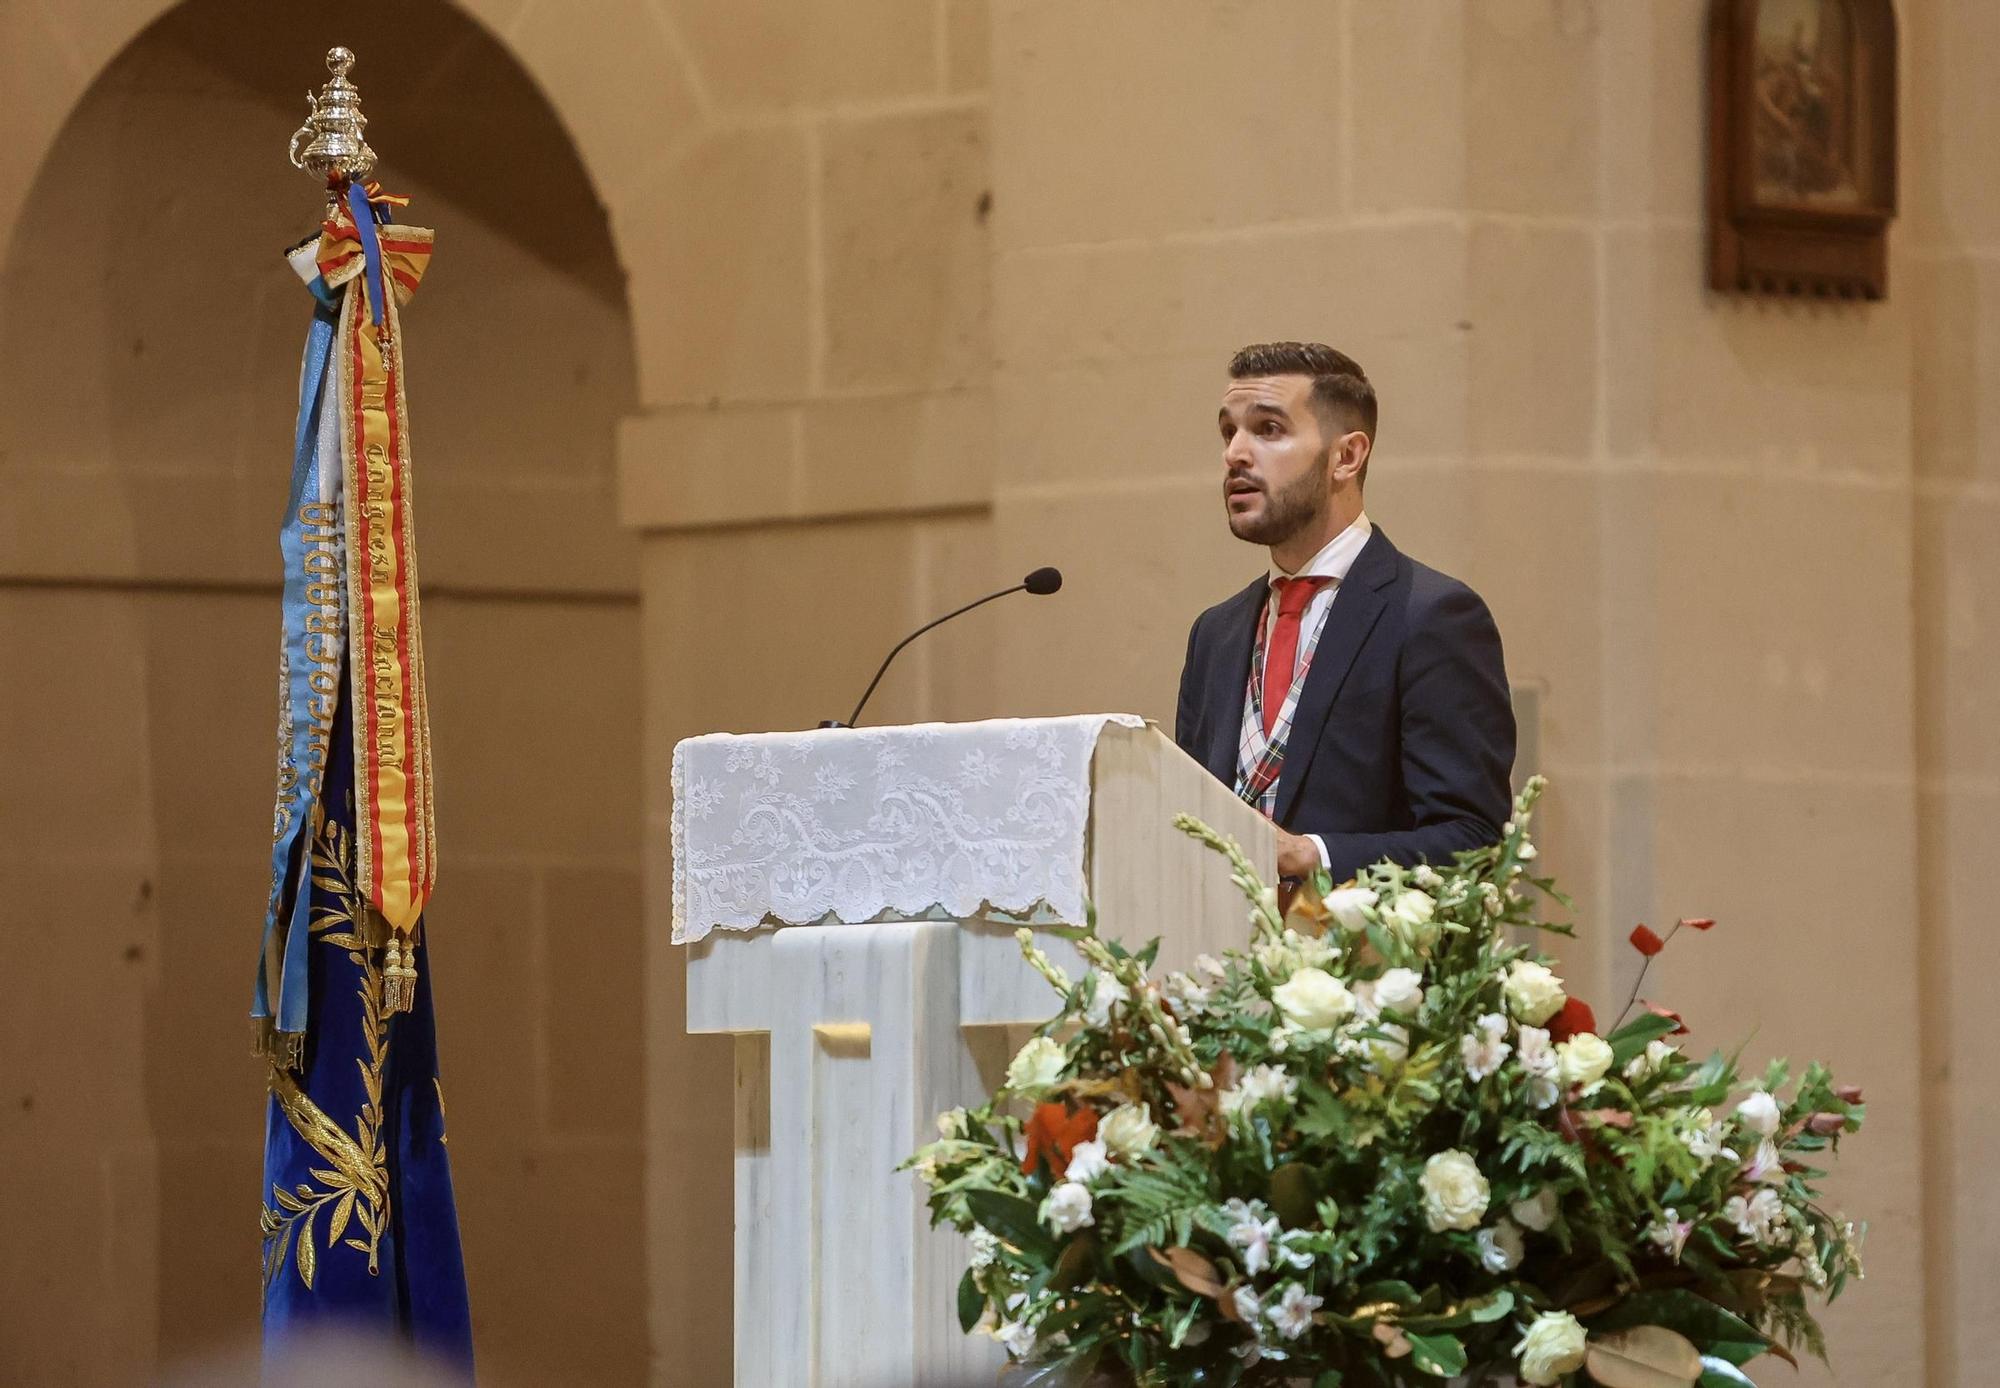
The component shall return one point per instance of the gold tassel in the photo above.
(399, 975)
(284, 1049)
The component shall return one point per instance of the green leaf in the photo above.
(1720, 1373)
(1402, 1293)
(1014, 1220)
(1714, 1331)
(1439, 1355)
(1481, 1311)
(1329, 1379)
(971, 1302)
(1634, 1036)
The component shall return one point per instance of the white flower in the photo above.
(1537, 1211)
(1553, 1346)
(1067, 1207)
(1259, 1084)
(1349, 907)
(1016, 1337)
(1426, 876)
(1254, 1235)
(1455, 1194)
(951, 1123)
(1106, 993)
(1485, 1046)
(1765, 1167)
(927, 1170)
(1583, 1060)
(1703, 1133)
(1758, 1218)
(1528, 852)
(1248, 1308)
(1390, 1048)
(1035, 1066)
(1533, 993)
(1501, 1247)
(1189, 998)
(1210, 965)
(1293, 951)
(1654, 1059)
(1759, 1113)
(1128, 1130)
(1397, 990)
(1669, 1233)
(1539, 1062)
(1314, 1000)
(1411, 916)
(1293, 1315)
(1087, 1161)
(985, 1246)
(1292, 1251)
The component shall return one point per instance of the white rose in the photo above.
(1067, 1208)
(1537, 1211)
(1035, 1066)
(1651, 1062)
(1128, 1130)
(1553, 1346)
(1485, 1046)
(1533, 993)
(1087, 1161)
(1189, 998)
(1314, 1000)
(1106, 993)
(1501, 1247)
(985, 1246)
(1583, 1060)
(1455, 1194)
(1410, 916)
(1759, 1113)
(1399, 990)
(1349, 907)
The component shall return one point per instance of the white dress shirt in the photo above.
(1331, 562)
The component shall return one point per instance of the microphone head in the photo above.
(1042, 582)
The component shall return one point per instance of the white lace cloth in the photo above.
(872, 824)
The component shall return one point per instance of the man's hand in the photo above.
(1298, 856)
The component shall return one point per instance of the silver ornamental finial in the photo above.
(329, 144)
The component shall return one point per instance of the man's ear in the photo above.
(1350, 455)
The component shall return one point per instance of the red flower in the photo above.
(1848, 1093)
(1053, 1132)
(1680, 1027)
(1646, 942)
(1698, 922)
(1826, 1124)
(1575, 1017)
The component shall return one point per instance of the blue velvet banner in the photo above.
(360, 1228)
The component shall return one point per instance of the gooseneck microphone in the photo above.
(1041, 583)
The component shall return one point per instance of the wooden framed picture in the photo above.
(1801, 146)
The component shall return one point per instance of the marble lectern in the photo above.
(849, 898)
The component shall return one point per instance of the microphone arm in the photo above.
(854, 716)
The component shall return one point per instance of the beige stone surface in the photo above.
(720, 303)
(904, 201)
(1531, 86)
(1404, 90)
(1534, 341)
(1088, 124)
(764, 55)
(968, 45)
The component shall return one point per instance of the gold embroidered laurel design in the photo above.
(354, 1184)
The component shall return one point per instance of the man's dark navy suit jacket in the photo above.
(1403, 739)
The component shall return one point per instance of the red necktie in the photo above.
(1282, 655)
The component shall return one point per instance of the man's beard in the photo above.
(1287, 512)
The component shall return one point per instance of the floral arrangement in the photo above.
(1380, 1145)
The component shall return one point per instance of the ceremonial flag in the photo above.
(359, 1226)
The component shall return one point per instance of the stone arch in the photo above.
(148, 343)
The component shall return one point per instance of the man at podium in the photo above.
(1355, 696)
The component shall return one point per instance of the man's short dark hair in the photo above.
(1341, 394)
